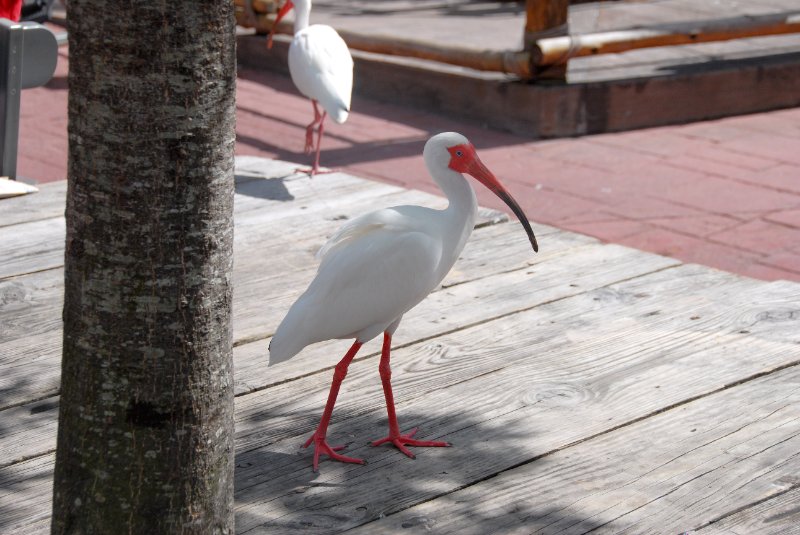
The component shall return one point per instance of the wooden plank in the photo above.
(262, 215)
(667, 474)
(505, 395)
(30, 307)
(265, 208)
(527, 391)
(26, 496)
(779, 515)
(31, 427)
(49, 202)
(557, 50)
(38, 245)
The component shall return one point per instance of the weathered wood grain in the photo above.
(775, 516)
(581, 366)
(666, 474)
(26, 496)
(504, 396)
(48, 202)
(30, 306)
(591, 266)
(39, 245)
(33, 246)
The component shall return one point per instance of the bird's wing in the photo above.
(373, 270)
(351, 231)
(322, 68)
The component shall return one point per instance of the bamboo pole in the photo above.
(505, 61)
(557, 50)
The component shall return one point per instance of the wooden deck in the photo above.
(590, 387)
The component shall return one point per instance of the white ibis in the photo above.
(379, 266)
(322, 69)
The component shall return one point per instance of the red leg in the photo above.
(315, 167)
(395, 437)
(318, 438)
(310, 129)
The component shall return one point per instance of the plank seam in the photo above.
(737, 510)
(633, 421)
(571, 249)
(8, 225)
(460, 328)
(15, 275)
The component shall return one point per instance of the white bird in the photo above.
(321, 68)
(379, 266)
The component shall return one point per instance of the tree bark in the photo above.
(145, 438)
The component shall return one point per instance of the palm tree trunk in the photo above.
(145, 439)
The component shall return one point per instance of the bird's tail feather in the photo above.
(289, 338)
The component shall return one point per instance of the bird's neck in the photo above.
(301, 18)
(461, 212)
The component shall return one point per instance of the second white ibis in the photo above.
(379, 266)
(321, 68)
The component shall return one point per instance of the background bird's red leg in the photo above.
(321, 129)
(318, 438)
(395, 437)
(309, 147)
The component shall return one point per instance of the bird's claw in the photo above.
(402, 440)
(321, 446)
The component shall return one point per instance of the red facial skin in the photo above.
(464, 159)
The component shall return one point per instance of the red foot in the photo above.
(401, 441)
(322, 446)
(310, 171)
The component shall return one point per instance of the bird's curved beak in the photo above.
(477, 169)
(281, 13)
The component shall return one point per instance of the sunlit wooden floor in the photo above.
(589, 388)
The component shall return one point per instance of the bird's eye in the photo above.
(459, 153)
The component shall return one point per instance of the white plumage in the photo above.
(379, 266)
(321, 68)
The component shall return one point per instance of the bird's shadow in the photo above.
(277, 491)
(273, 189)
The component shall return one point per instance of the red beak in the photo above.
(476, 169)
(281, 13)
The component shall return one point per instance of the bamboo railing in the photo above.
(548, 44)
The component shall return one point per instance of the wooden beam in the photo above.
(543, 19)
(544, 52)
(513, 62)
(557, 50)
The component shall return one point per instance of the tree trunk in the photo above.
(145, 438)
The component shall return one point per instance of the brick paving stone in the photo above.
(728, 154)
(790, 218)
(698, 226)
(783, 177)
(785, 260)
(766, 272)
(722, 196)
(609, 231)
(759, 236)
(661, 142)
(775, 146)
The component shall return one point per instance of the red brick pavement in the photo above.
(723, 193)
